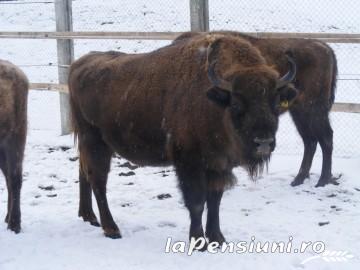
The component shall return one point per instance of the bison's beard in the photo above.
(255, 167)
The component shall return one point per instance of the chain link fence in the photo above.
(38, 57)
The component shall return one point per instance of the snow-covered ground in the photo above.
(270, 210)
(54, 238)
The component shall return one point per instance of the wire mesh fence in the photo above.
(172, 15)
(329, 16)
(38, 57)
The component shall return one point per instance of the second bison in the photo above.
(316, 81)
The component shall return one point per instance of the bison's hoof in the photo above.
(91, 218)
(199, 243)
(95, 223)
(113, 234)
(216, 237)
(7, 218)
(329, 180)
(297, 182)
(16, 228)
(197, 237)
(322, 183)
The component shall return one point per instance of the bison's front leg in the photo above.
(213, 231)
(216, 184)
(194, 188)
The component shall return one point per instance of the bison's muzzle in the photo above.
(264, 147)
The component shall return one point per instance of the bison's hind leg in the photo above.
(325, 136)
(310, 142)
(95, 158)
(314, 129)
(3, 168)
(11, 157)
(85, 204)
(309, 152)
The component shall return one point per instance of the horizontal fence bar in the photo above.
(92, 35)
(346, 107)
(63, 88)
(327, 37)
(25, 3)
(337, 107)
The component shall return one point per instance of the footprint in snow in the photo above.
(139, 229)
(127, 174)
(62, 148)
(128, 165)
(323, 223)
(166, 224)
(163, 196)
(126, 204)
(47, 188)
(334, 208)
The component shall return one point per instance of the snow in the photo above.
(53, 237)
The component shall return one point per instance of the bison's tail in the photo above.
(334, 77)
(74, 115)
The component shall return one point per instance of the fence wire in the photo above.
(39, 60)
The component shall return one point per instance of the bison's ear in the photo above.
(287, 96)
(220, 96)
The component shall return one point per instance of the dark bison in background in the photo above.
(204, 106)
(316, 82)
(13, 126)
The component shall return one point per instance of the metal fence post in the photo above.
(65, 55)
(199, 15)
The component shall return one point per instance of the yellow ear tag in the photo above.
(284, 104)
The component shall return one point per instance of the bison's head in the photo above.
(254, 94)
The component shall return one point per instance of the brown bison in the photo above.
(13, 126)
(316, 82)
(204, 106)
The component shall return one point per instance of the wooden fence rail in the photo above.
(326, 37)
(63, 88)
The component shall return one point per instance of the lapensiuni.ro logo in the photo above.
(253, 246)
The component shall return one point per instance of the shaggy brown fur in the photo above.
(13, 126)
(161, 108)
(316, 81)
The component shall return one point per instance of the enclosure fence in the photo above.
(54, 33)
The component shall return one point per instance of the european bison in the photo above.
(316, 82)
(13, 126)
(204, 106)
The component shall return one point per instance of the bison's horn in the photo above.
(290, 75)
(215, 80)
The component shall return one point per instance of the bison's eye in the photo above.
(238, 108)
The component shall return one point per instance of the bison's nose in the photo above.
(264, 145)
